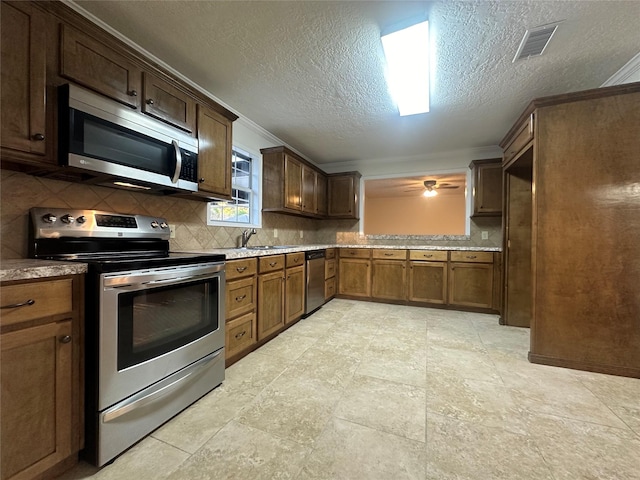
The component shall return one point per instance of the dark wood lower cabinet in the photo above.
(428, 282)
(294, 294)
(389, 279)
(271, 308)
(471, 284)
(354, 277)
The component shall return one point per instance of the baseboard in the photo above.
(577, 365)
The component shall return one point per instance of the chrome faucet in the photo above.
(246, 235)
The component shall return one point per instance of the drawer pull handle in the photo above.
(240, 269)
(65, 339)
(471, 256)
(428, 256)
(388, 254)
(240, 335)
(273, 264)
(240, 298)
(352, 253)
(28, 303)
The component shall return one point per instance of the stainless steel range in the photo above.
(154, 321)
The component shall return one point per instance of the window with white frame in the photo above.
(243, 210)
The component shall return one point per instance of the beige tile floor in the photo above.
(371, 391)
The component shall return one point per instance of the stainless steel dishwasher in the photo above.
(314, 297)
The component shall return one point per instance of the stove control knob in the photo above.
(164, 225)
(68, 219)
(154, 224)
(81, 219)
(49, 218)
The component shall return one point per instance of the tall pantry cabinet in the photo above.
(572, 227)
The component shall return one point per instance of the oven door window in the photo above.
(155, 321)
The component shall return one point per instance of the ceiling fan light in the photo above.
(429, 192)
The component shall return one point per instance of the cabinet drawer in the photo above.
(472, 257)
(271, 263)
(355, 253)
(329, 268)
(294, 259)
(329, 288)
(522, 136)
(330, 253)
(240, 334)
(428, 255)
(388, 254)
(40, 299)
(240, 296)
(241, 268)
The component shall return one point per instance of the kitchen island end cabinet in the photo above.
(41, 419)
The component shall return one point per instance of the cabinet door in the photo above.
(487, 188)
(292, 183)
(309, 193)
(471, 284)
(343, 192)
(389, 279)
(36, 369)
(214, 154)
(94, 65)
(169, 104)
(270, 303)
(294, 294)
(321, 194)
(428, 282)
(354, 277)
(22, 122)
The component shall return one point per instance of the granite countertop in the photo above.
(25, 269)
(28, 268)
(233, 253)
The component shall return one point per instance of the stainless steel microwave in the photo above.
(117, 145)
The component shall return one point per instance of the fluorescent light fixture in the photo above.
(407, 54)
(430, 193)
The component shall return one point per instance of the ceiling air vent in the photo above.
(535, 41)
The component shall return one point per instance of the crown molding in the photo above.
(415, 163)
(629, 69)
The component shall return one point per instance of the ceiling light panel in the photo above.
(407, 55)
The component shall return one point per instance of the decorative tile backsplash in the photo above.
(20, 192)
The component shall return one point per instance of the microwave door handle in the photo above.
(176, 174)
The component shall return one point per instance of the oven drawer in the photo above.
(240, 334)
(240, 297)
(240, 268)
(271, 263)
(29, 301)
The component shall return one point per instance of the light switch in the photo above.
(275, 233)
(485, 235)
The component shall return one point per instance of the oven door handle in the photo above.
(142, 399)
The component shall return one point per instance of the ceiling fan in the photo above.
(431, 187)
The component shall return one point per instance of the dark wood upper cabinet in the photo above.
(89, 62)
(487, 187)
(23, 84)
(168, 103)
(344, 195)
(292, 183)
(214, 155)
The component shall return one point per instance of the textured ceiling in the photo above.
(312, 72)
